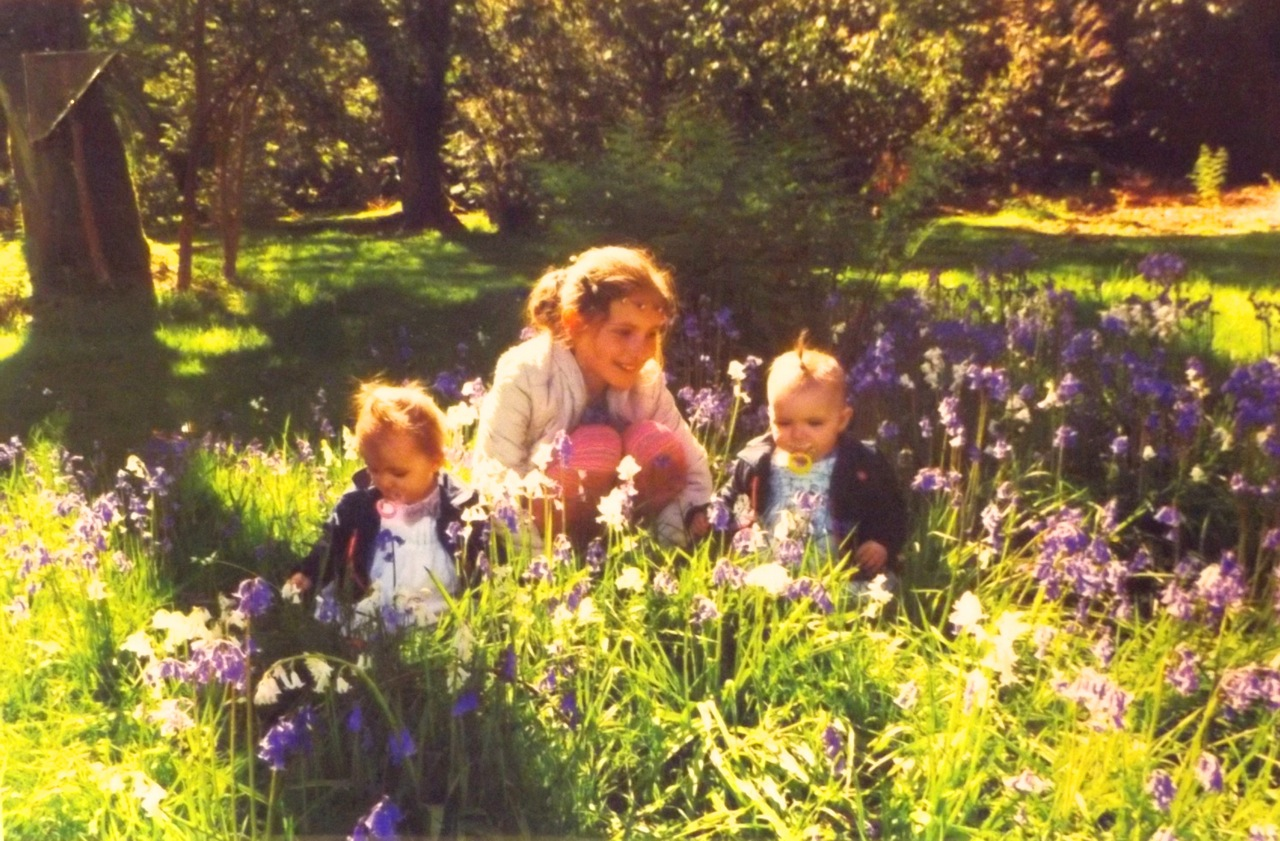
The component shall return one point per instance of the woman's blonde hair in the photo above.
(590, 283)
(381, 408)
(804, 364)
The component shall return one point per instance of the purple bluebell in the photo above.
(930, 479)
(706, 408)
(539, 569)
(1220, 587)
(468, 701)
(569, 709)
(507, 665)
(1161, 788)
(254, 596)
(595, 554)
(1209, 772)
(1104, 701)
(400, 746)
(1104, 650)
(703, 610)
(354, 722)
(218, 660)
(1246, 686)
(952, 424)
(728, 574)
(1064, 437)
(562, 448)
(289, 735)
(811, 589)
(379, 824)
(1162, 267)
(665, 584)
(720, 516)
(1182, 673)
(833, 747)
(789, 552)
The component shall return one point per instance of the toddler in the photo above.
(393, 539)
(808, 466)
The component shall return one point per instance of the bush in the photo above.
(760, 225)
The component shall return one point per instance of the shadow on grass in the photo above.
(323, 307)
(1244, 260)
(92, 374)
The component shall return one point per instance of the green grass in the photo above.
(315, 308)
(323, 302)
(1104, 268)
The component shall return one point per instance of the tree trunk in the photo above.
(410, 63)
(83, 231)
(190, 184)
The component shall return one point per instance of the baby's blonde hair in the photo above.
(381, 408)
(803, 365)
(592, 282)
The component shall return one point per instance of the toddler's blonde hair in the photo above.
(382, 408)
(802, 365)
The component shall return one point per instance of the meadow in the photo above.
(1084, 644)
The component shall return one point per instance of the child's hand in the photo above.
(699, 524)
(871, 557)
(300, 581)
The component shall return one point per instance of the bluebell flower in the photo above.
(379, 824)
(1181, 673)
(811, 589)
(1162, 267)
(507, 665)
(704, 610)
(354, 721)
(595, 554)
(1064, 437)
(720, 516)
(1161, 788)
(401, 746)
(833, 747)
(289, 735)
(728, 574)
(255, 596)
(569, 709)
(467, 702)
(1104, 701)
(1209, 772)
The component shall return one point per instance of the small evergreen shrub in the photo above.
(1210, 173)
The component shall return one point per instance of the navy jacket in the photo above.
(865, 500)
(345, 551)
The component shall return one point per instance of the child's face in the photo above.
(611, 351)
(808, 418)
(399, 467)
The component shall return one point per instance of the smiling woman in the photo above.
(594, 362)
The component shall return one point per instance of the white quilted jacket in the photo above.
(538, 390)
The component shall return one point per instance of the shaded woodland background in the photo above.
(760, 146)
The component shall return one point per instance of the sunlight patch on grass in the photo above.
(197, 341)
(11, 343)
(191, 366)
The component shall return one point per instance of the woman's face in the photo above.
(612, 350)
